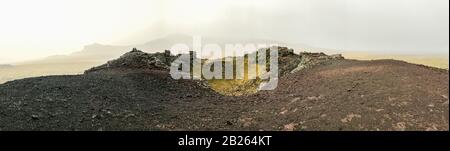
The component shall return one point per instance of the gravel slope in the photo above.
(342, 95)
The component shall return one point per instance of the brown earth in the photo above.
(338, 95)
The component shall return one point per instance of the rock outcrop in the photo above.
(290, 62)
(137, 59)
(310, 59)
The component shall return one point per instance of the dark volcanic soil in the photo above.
(342, 95)
(356, 95)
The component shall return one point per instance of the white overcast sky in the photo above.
(30, 29)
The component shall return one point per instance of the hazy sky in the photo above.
(31, 29)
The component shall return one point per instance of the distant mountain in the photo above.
(5, 66)
(168, 41)
(102, 53)
(90, 53)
